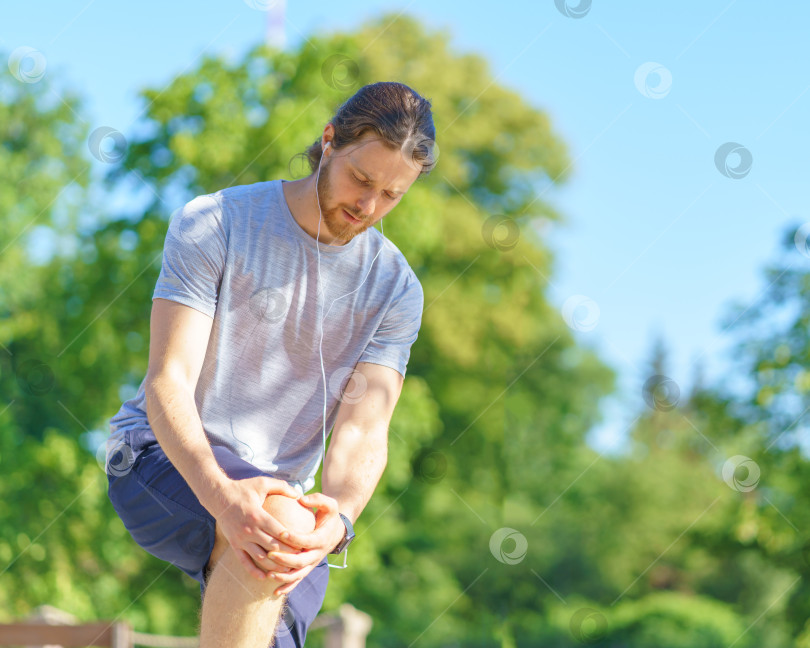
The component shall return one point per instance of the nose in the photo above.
(366, 204)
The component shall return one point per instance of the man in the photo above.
(272, 298)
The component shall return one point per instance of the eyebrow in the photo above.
(368, 175)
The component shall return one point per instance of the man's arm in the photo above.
(353, 465)
(178, 342)
(178, 339)
(358, 451)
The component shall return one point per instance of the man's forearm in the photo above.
(175, 421)
(353, 466)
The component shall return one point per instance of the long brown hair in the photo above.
(396, 113)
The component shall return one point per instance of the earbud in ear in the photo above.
(326, 146)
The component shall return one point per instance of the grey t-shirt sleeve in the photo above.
(391, 343)
(194, 255)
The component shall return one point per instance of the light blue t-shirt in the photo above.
(240, 257)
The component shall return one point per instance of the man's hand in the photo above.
(312, 547)
(251, 530)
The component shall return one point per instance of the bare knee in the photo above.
(290, 513)
(286, 510)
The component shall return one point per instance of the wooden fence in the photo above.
(52, 628)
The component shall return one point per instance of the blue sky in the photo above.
(655, 235)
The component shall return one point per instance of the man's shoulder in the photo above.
(385, 246)
(244, 207)
(248, 191)
(405, 277)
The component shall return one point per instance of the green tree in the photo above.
(495, 522)
(491, 426)
(60, 542)
(762, 415)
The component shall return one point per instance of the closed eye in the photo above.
(367, 182)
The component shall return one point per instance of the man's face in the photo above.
(366, 179)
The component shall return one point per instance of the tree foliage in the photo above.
(495, 522)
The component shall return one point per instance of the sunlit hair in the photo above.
(396, 113)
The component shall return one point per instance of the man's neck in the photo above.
(300, 197)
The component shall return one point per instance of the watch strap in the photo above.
(348, 535)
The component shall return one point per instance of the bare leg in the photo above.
(239, 611)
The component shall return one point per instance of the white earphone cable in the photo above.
(320, 347)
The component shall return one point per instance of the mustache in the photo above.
(351, 213)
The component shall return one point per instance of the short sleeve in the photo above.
(194, 255)
(391, 343)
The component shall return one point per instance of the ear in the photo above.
(328, 135)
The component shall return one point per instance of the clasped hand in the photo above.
(268, 547)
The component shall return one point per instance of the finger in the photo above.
(269, 543)
(267, 526)
(296, 560)
(263, 561)
(284, 577)
(280, 547)
(293, 575)
(324, 516)
(298, 540)
(256, 553)
(325, 504)
(286, 589)
(317, 539)
(279, 487)
(250, 566)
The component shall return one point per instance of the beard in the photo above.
(333, 217)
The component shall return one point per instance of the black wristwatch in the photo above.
(348, 536)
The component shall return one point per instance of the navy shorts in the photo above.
(165, 518)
